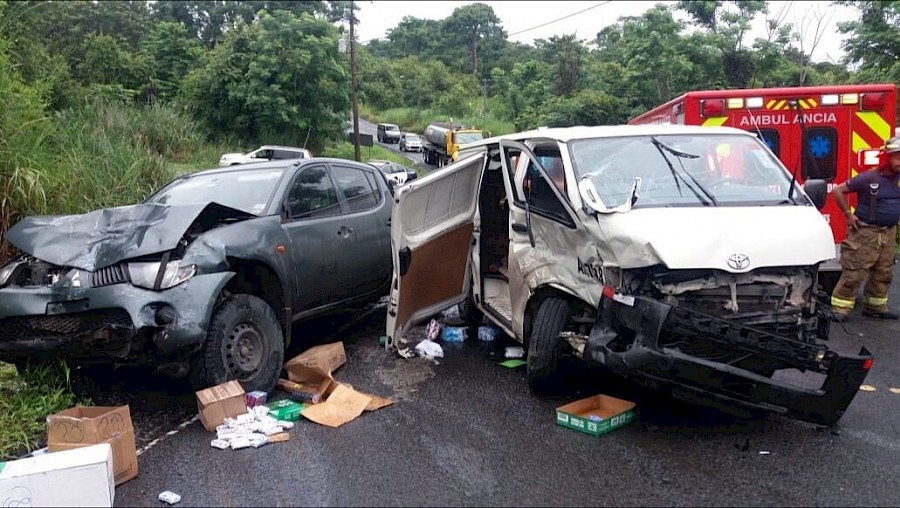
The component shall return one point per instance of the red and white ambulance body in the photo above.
(827, 132)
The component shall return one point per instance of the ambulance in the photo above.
(819, 132)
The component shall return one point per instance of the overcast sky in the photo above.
(521, 19)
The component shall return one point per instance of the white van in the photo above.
(684, 258)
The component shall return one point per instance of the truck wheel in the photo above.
(244, 342)
(545, 348)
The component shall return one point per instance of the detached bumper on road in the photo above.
(87, 322)
(720, 384)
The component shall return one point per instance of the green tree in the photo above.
(566, 54)
(171, 53)
(474, 26)
(873, 41)
(277, 80)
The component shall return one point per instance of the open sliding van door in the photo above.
(431, 241)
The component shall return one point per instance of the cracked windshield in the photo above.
(707, 170)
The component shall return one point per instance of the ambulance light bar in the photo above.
(712, 107)
(850, 98)
(872, 101)
(754, 102)
(830, 100)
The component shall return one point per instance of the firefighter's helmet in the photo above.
(892, 145)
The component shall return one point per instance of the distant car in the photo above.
(393, 172)
(388, 133)
(410, 142)
(208, 273)
(265, 153)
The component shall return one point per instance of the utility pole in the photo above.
(353, 87)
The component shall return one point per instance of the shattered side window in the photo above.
(312, 195)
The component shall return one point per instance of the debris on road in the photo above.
(255, 398)
(82, 426)
(77, 477)
(867, 388)
(219, 402)
(328, 402)
(512, 364)
(454, 334)
(513, 352)
(763, 452)
(169, 497)
(433, 330)
(286, 411)
(487, 333)
(595, 415)
(429, 349)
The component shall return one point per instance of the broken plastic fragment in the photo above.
(867, 388)
(763, 452)
(894, 390)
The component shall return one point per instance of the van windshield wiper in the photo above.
(675, 175)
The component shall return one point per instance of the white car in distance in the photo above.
(265, 153)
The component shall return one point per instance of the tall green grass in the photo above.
(344, 150)
(25, 402)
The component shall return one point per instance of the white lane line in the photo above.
(172, 432)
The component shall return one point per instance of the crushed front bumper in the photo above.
(714, 383)
(84, 322)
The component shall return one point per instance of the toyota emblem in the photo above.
(739, 261)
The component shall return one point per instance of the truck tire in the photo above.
(425, 157)
(545, 347)
(244, 343)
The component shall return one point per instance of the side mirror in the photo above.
(817, 190)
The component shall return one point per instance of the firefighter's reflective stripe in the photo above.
(715, 122)
(838, 303)
(874, 301)
(875, 122)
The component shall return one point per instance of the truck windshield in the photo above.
(678, 170)
(249, 191)
(468, 137)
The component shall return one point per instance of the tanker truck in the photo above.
(442, 142)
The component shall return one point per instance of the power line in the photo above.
(558, 19)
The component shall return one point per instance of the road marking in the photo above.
(867, 388)
(172, 432)
(894, 390)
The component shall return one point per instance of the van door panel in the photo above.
(431, 238)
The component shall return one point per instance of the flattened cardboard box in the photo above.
(314, 366)
(82, 426)
(78, 477)
(595, 415)
(219, 402)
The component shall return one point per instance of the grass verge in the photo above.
(26, 401)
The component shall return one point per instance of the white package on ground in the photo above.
(78, 477)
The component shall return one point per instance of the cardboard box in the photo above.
(219, 402)
(313, 368)
(89, 425)
(595, 415)
(78, 477)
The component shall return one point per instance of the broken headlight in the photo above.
(7, 271)
(145, 274)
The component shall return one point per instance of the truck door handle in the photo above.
(519, 228)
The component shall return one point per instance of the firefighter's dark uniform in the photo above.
(867, 255)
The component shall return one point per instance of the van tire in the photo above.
(249, 323)
(545, 346)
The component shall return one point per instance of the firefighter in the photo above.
(867, 255)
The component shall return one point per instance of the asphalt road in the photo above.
(367, 127)
(466, 431)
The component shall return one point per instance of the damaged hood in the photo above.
(734, 239)
(105, 237)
